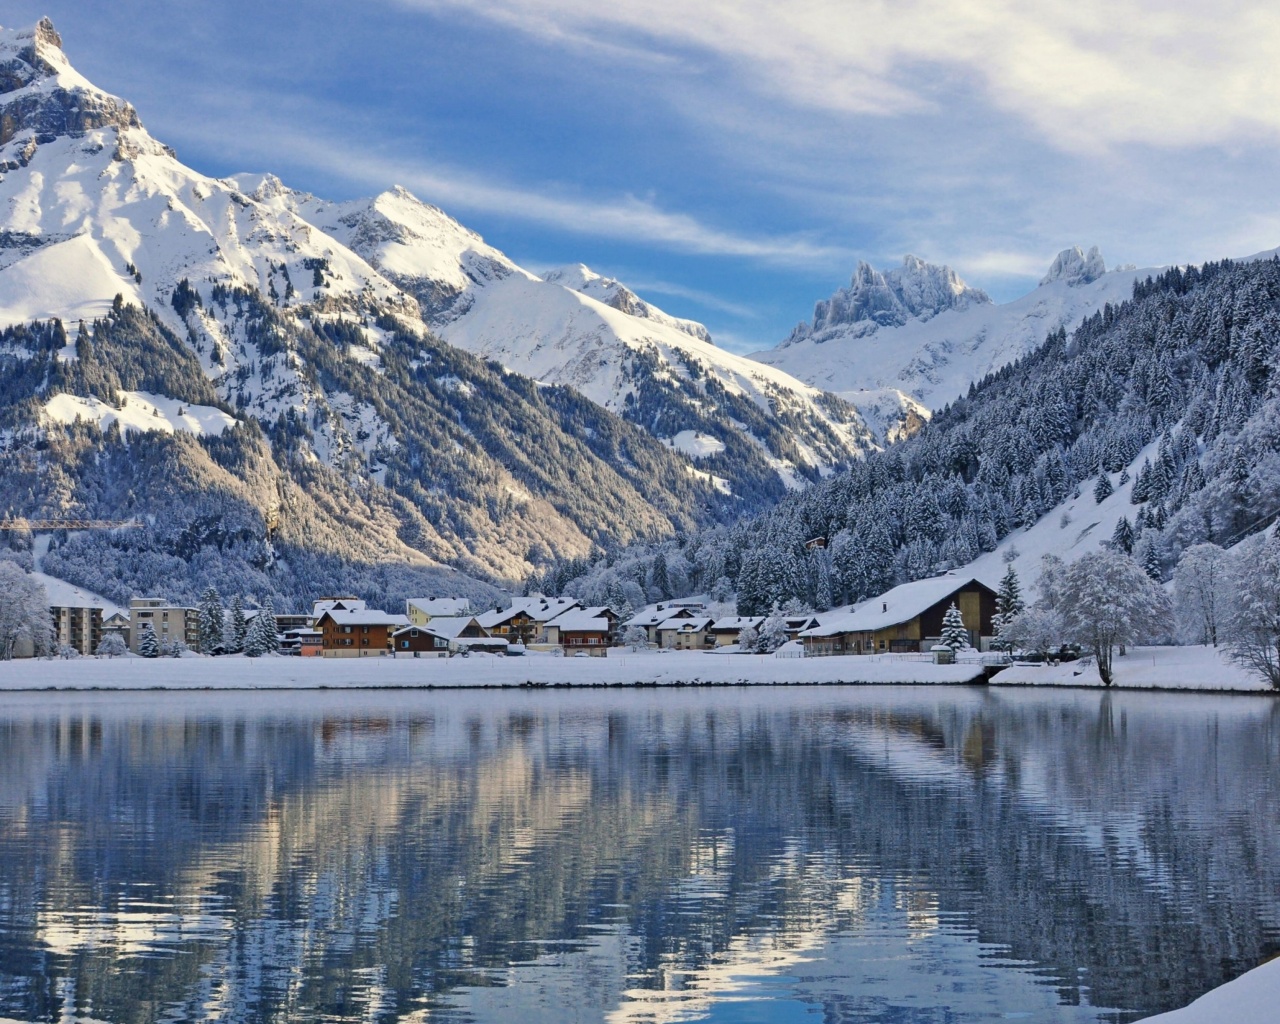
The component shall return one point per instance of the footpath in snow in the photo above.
(1146, 668)
(672, 668)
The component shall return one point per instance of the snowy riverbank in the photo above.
(673, 668)
(1147, 668)
(1250, 999)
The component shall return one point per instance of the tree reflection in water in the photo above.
(864, 854)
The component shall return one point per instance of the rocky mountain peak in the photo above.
(917, 290)
(42, 94)
(579, 277)
(1075, 267)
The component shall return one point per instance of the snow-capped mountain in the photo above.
(921, 330)
(592, 333)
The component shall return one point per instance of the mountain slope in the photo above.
(590, 333)
(869, 337)
(234, 362)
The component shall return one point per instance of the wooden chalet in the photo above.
(525, 621)
(357, 633)
(444, 636)
(686, 634)
(652, 618)
(583, 629)
(906, 619)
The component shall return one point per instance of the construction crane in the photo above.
(37, 525)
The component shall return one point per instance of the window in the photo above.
(412, 632)
(346, 629)
(441, 642)
(364, 642)
(404, 644)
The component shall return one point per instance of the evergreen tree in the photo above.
(954, 635)
(212, 619)
(148, 644)
(236, 628)
(270, 637)
(1102, 490)
(1122, 536)
(1009, 605)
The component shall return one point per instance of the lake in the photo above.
(815, 854)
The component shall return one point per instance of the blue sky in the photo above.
(732, 161)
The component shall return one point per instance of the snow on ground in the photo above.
(670, 668)
(1250, 999)
(1173, 668)
(60, 592)
(1088, 525)
(140, 411)
(695, 444)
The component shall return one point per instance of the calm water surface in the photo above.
(820, 855)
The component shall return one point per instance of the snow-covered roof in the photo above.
(694, 625)
(584, 620)
(450, 625)
(318, 608)
(537, 607)
(737, 623)
(363, 617)
(899, 605)
(433, 606)
(663, 612)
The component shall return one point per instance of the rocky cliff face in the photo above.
(41, 94)
(1075, 267)
(915, 291)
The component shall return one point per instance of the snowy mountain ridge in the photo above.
(861, 339)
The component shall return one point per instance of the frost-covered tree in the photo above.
(1253, 627)
(1202, 595)
(1107, 599)
(112, 646)
(234, 632)
(954, 635)
(148, 643)
(1122, 536)
(748, 637)
(1102, 490)
(1009, 605)
(24, 612)
(261, 637)
(212, 621)
(1037, 630)
(635, 637)
(773, 633)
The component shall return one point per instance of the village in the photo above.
(932, 617)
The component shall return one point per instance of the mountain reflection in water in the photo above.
(897, 855)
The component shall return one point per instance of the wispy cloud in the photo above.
(1083, 72)
(649, 286)
(625, 218)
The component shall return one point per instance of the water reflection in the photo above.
(844, 855)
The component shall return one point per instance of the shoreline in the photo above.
(1171, 670)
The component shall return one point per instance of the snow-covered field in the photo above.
(1172, 668)
(1251, 999)
(671, 668)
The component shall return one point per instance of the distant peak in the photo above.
(1076, 267)
(915, 290)
(45, 33)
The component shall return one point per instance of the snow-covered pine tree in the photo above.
(954, 635)
(270, 638)
(1122, 536)
(236, 628)
(1102, 490)
(148, 644)
(1009, 605)
(255, 640)
(212, 619)
(1149, 558)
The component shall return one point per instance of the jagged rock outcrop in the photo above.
(40, 93)
(915, 291)
(1075, 267)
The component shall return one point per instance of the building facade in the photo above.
(168, 622)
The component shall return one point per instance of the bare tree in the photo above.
(1200, 584)
(1106, 599)
(24, 612)
(1253, 627)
